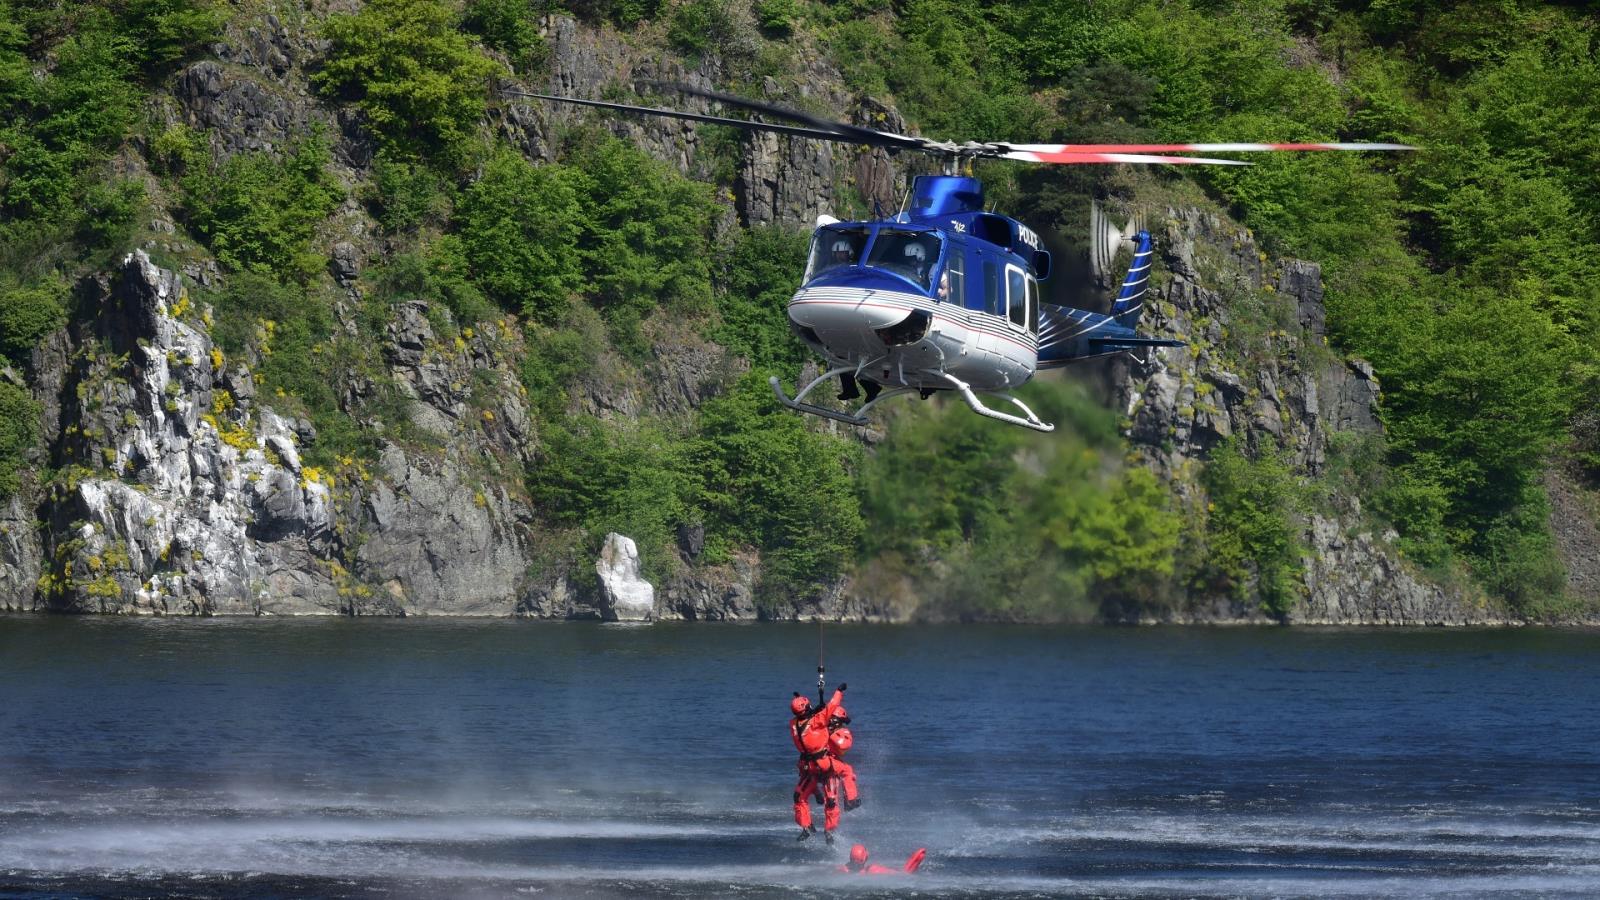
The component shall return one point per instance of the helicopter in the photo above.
(944, 295)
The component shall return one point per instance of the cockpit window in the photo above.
(908, 253)
(835, 247)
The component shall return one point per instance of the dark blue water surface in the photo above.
(426, 758)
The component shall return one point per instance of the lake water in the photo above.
(428, 758)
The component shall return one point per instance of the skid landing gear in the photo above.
(1027, 420)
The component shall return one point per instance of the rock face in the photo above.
(177, 496)
(1573, 520)
(20, 554)
(1358, 580)
(780, 179)
(624, 595)
(1256, 368)
(181, 489)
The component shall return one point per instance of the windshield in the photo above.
(908, 253)
(835, 247)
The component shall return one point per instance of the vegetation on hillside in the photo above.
(1466, 273)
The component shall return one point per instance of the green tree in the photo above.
(27, 314)
(417, 79)
(1124, 534)
(766, 479)
(257, 211)
(19, 429)
(758, 274)
(519, 226)
(509, 26)
(624, 477)
(1251, 525)
(645, 236)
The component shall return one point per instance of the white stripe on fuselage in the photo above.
(970, 319)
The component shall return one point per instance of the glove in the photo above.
(842, 686)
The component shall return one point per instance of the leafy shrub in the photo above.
(1123, 534)
(628, 478)
(1519, 560)
(259, 212)
(418, 80)
(699, 26)
(438, 273)
(519, 227)
(508, 26)
(19, 428)
(165, 31)
(110, 211)
(557, 356)
(757, 275)
(776, 17)
(1250, 525)
(28, 313)
(645, 236)
(406, 195)
(623, 13)
(767, 479)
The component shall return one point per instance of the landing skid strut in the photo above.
(859, 417)
(798, 404)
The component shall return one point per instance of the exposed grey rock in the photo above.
(345, 262)
(1303, 281)
(1181, 402)
(172, 518)
(21, 557)
(241, 113)
(624, 595)
(692, 540)
(1358, 580)
(439, 540)
(1573, 522)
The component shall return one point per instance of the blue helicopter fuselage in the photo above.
(942, 291)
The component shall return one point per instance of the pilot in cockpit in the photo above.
(917, 260)
(842, 253)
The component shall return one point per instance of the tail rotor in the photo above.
(1105, 239)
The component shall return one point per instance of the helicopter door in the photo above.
(1017, 297)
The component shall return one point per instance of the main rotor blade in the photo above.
(841, 131)
(1088, 158)
(1049, 149)
(693, 117)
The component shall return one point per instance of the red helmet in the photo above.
(858, 854)
(839, 713)
(799, 705)
(842, 740)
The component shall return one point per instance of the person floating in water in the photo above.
(841, 740)
(809, 731)
(858, 864)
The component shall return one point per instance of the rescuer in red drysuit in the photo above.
(858, 864)
(841, 740)
(809, 732)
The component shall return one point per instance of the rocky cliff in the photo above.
(1257, 368)
(175, 486)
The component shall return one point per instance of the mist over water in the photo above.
(430, 758)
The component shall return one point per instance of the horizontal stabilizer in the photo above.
(1107, 343)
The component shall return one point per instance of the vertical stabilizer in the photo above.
(1130, 299)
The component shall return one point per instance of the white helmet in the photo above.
(841, 246)
(914, 251)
